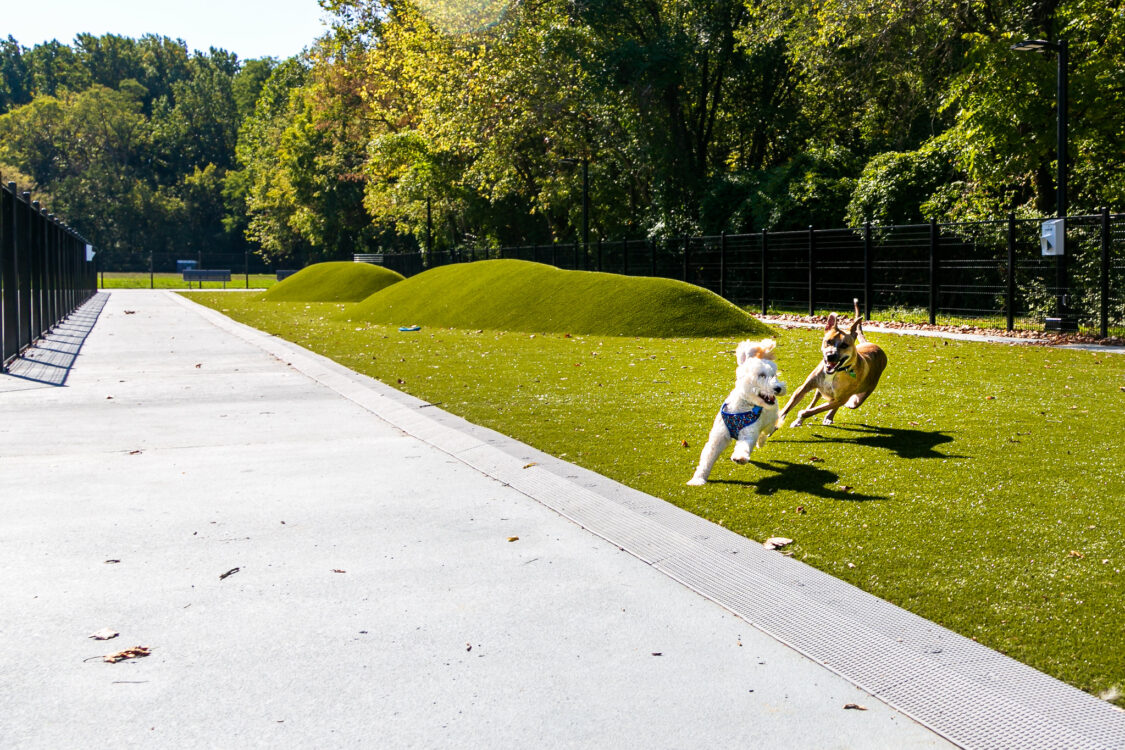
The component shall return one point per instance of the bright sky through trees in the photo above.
(248, 28)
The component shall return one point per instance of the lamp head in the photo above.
(1035, 45)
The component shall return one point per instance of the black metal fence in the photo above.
(978, 273)
(46, 272)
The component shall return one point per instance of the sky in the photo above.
(248, 28)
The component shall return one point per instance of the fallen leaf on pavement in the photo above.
(104, 634)
(528, 466)
(230, 572)
(855, 707)
(776, 542)
(337, 570)
(513, 539)
(135, 652)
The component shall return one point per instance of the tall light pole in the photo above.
(1066, 321)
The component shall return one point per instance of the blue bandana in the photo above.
(735, 422)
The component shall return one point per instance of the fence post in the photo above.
(1105, 273)
(151, 282)
(868, 252)
(625, 253)
(723, 265)
(765, 272)
(933, 270)
(652, 244)
(246, 265)
(38, 275)
(599, 254)
(812, 271)
(1010, 294)
(27, 335)
(8, 276)
(686, 252)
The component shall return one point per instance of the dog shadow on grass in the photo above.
(906, 443)
(800, 477)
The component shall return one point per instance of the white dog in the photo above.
(749, 415)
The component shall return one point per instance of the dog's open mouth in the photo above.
(769, 399)
(831, 367)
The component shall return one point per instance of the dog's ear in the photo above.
(831, 322)
(745, 350)
(765, 349)
(855, 325)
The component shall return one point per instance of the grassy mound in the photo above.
(517, 295)
(339, 281)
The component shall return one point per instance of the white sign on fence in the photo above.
(1052, 236)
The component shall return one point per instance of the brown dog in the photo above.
(847, 374)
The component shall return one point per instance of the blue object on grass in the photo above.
(410, 328)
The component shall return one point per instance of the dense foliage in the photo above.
(130, 140)
(439, 123)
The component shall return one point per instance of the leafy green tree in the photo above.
(15, 78)
(259, 195)
(247, 84)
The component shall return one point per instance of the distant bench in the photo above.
(375, 258)
(203, 274)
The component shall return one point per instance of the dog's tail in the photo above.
(859, 321)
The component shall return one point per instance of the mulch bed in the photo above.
(1042, 338)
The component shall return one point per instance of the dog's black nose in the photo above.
(777, 389)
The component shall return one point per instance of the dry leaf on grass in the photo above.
(104, 634)
(776, 542)
(135, 652)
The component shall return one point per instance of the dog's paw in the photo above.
(796, 422)
(827, 421)
(696, 482)
(741, 458)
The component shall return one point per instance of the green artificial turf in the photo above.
(980, 486)
(336, 281)
(145, 280)
(517, 295)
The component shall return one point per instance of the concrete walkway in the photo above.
(308, 574)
